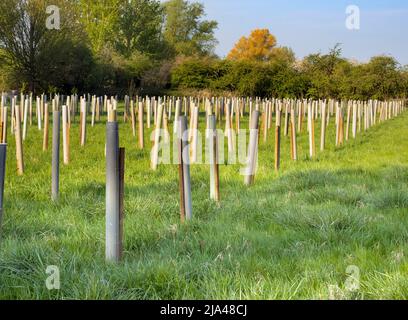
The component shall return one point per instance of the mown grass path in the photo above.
(292, 235)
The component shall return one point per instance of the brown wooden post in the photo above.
(348, 120)
(311, 129)
(265, 125)
(46, 129)
(213, 153)
(132, 115)
(4, 135)
(19, 144)
(293, 133)
(277, 138)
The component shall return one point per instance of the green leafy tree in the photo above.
(320, 69)
(185, 29)
(383, 78)
(192, 73)
(99, 18)
(33, 52)
(139, 28)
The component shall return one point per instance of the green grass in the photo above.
(290, 236)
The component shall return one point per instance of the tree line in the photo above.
(256, 66)
(110, 46)
(148, 46)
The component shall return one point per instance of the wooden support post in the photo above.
(286, 130)
(46, 127)
(13, 116)
(293, 141)
(337, 124)
(3, 157)
(19, 144)
(55, 155)
(354, 119)
(148, 112)
(348, 121)
(265, 125)
(132, 117)
(194, 134)
(359, 116)
(213, 157)
(311, 130)
(1, 122)
(277, 138)
(4, 135)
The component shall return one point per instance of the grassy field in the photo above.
(290, 236)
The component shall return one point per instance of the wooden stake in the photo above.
(55, 155)
(4, 135)
(277, 138)
(293, 134)
(213, 157)
(348, 121)
(19, 144)
(46, 125)
(354, 120)
(132, 117)
(310, 122)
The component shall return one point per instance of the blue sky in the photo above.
(309, 26)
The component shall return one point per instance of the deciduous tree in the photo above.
(34, 53)
(186, 30)
(258, 46)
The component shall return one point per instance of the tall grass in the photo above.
(290, 236)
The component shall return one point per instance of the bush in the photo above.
(192, 73)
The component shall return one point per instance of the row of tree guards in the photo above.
(349, 117)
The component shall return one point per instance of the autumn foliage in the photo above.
(258, 46)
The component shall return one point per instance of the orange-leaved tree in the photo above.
(258, 46)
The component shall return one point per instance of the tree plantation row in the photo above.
(233, 129)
